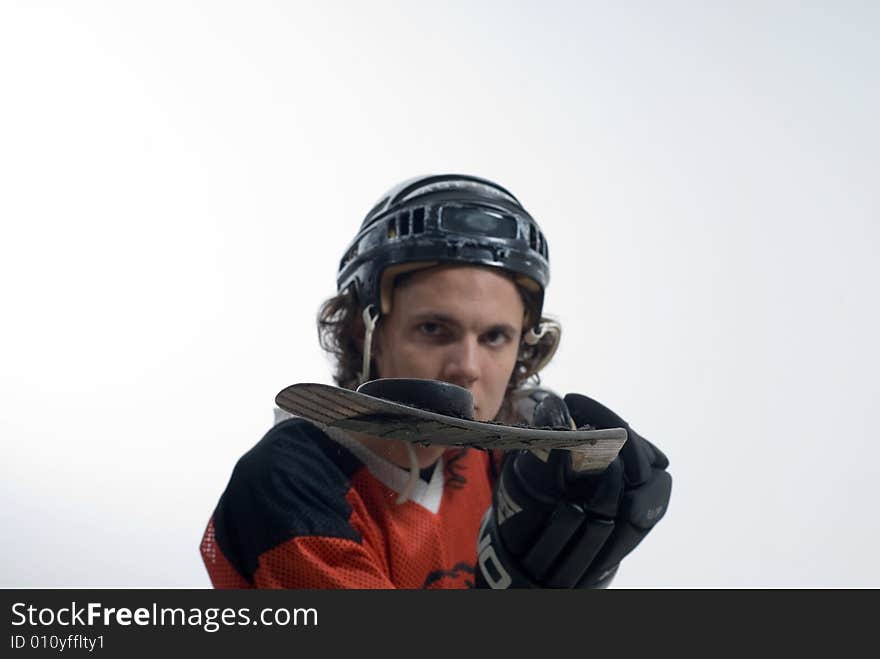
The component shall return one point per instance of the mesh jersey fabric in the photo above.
(307, 510)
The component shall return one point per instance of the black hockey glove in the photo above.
(551, 526)
(646, 489)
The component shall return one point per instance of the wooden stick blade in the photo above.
(349, 410)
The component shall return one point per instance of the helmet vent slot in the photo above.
(392, 228)
(533, 237)
(403, 223)
(418, 220)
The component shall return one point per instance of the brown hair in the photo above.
(340, 317)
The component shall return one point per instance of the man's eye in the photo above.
(431, 329)
(496, 337)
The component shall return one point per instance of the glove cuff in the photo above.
(586, 411)
(496, 567)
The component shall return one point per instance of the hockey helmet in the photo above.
(447, 218)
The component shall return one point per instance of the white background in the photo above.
(178, 182)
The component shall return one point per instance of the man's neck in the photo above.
(395, 450)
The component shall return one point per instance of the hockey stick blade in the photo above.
(349, 410)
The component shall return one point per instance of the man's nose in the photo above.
(462, 366)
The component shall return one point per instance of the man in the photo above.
(445, 281)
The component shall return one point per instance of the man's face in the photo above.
(458, 324)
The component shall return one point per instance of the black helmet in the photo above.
(447, 218)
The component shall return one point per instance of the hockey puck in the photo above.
(431, 395)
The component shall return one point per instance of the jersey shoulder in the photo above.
(292, 483)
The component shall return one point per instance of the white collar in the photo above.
(427, 495)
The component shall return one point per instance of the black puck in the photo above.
(431, 395)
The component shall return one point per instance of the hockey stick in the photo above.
(355, 411)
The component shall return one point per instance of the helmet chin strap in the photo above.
(408, 489)
(535, 333)
(371, 317)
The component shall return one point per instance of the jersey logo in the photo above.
(460, 574)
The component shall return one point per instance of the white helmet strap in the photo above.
(371, 317)
(534, 335)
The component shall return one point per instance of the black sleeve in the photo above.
(292, 483)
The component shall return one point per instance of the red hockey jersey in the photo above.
(307, 510)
